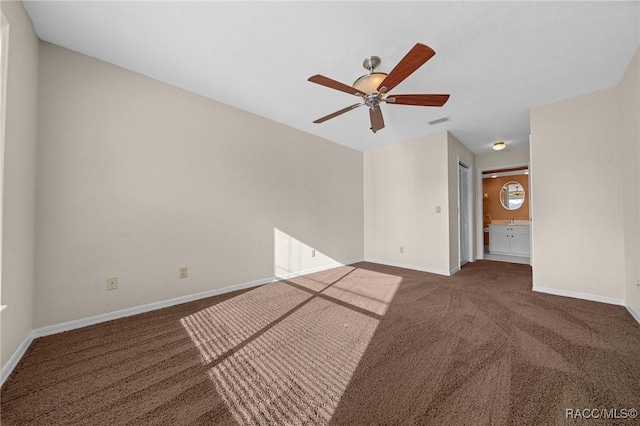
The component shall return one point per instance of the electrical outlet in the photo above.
(438, 209)
(313, 252)
(112, 283)
(184, 273)
(401, 249)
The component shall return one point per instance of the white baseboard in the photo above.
(83, 322)
(635, 314)
(16, 357)
(415, 268)
(577, 295)
(316, 269)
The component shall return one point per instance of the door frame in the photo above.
(4, 60)
(470, 257)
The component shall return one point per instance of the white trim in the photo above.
(7, 369)
(502, 174)
(479, 215)
(316, 269)
(635, 314)
(470, 208)
(83, 322)
(577, 295)
(415, 268)
(4, 61)
(4, 55)
(531, 205)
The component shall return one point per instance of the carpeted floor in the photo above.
(358, 345)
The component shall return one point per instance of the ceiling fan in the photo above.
(373, 88)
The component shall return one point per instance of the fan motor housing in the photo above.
(372, 100)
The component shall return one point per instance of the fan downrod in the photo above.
(371, 63)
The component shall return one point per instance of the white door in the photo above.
(463, 209)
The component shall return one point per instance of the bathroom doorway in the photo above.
(505, 220)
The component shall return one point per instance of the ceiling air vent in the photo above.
(439, 120)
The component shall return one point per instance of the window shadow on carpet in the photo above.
(285, 352)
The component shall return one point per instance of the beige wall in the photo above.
(404, 184)
(629, 96)
(138, 178)
(500, 159)
(19, 179)
(576, 160)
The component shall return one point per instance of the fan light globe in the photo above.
(369, 83)
(499, 145)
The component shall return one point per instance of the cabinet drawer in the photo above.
(509, 229)
(499, 229)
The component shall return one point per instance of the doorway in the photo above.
(504, 219)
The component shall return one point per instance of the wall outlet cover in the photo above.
(112, 283)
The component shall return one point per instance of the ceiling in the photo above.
(496, 59)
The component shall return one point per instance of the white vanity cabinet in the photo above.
(512, 240)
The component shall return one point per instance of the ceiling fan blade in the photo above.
(327, 82)
(413, 60)
(377, 122)
(418, 100)
(337, 113)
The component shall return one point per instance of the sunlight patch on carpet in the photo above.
(218, 329)
(280, 354)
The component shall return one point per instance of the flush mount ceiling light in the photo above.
(499, 145)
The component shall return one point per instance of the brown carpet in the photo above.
(358, 345)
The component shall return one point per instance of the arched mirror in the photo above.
(512, 195)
